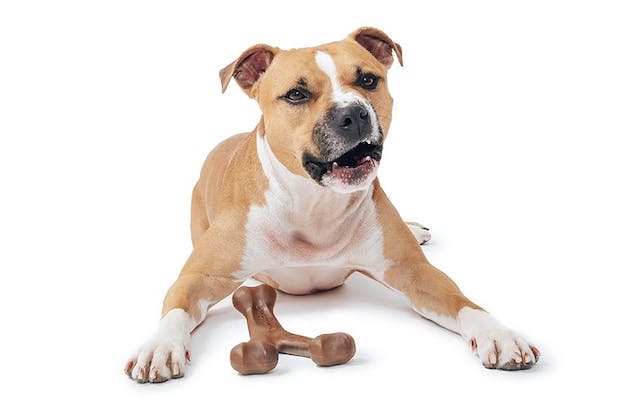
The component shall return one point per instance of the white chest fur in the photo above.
(307, 237)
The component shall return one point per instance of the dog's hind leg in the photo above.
(422, 233)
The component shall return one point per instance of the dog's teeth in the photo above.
(368, 142)
(368, 158)
(334, 165)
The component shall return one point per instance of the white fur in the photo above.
(442, 320)
(171, 341)
(306, 237)
(203, 307)
(497, 346)
(302, 280)
(342, 97)
(420, 232)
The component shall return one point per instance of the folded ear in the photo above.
(248, 68)
(379, 44)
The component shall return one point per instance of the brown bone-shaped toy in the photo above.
(268, 338)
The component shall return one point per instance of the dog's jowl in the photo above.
(296, 204)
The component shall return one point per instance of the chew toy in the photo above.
(268, 338)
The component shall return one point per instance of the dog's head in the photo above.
(326, 109)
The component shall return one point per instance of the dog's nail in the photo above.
(518, 358)
(153, 374)
(425, 228)
(176, 369)
(473, 344)
(493, 358)
(536, 352)
(187, 355)
(527, 357)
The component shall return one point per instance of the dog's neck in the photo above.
(303, 200)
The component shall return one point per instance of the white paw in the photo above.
(503, 349)
(419, 231)
(497, 346)
(165, 355)
(159, 360)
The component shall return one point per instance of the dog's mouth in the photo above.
(354, 170)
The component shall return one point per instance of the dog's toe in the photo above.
(420, 232)
(159, 360)
(503, 349)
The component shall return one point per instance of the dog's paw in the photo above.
(503, 349)
(160, 359)
(166, 354)
(497, 346)
(422, 233)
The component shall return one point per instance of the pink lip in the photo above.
(351, 177)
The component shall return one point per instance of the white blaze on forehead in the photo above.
(338, 94)
(326, 65)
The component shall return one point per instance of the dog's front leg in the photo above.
(435, 296)
(209, 275)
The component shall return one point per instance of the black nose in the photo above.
(352, 122)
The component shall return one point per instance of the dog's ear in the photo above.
(378, 43)
(248, 68)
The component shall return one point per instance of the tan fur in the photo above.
(232, 70)
(375, 32)
(288, 131)
(232, 180)
(411, 272)
(365, 229)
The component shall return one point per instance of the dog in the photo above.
(296, 204)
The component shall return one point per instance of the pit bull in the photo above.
(296, 204)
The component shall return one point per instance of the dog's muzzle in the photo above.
(350, 148)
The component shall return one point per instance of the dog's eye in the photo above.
(368, 81)
(297, 96)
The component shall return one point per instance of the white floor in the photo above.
(514, 138)
(399, 354)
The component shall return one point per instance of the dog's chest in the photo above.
(304, 252)
(304, 236)
(318, 230)
(303, 255)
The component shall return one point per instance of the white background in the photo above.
(514, 139)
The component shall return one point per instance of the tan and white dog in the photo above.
(296, 204)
